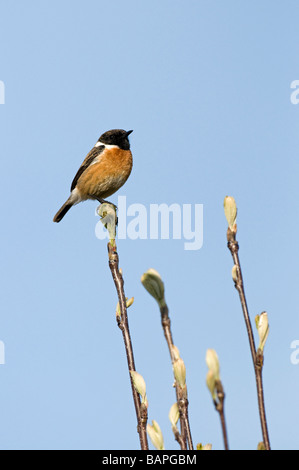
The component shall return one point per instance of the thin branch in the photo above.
(260, 394)
(181, 394)
(122, 321)
(233, 246)
(223, 427)
(178, 438)
(220, 408)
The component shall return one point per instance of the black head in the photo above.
(116, 137)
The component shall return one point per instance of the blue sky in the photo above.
(206, 87)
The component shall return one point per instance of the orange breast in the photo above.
(104, 178)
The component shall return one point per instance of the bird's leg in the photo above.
(103, 201)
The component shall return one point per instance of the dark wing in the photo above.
(94, 153)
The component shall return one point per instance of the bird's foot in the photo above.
(103, 201)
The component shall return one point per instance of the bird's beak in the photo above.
(128, 133)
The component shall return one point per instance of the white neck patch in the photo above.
(107, 146)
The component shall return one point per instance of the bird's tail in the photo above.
(63, 210)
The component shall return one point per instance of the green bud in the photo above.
(139, 385)
(129, 302)
(155, 435)
(235, 273)
(211, 384)
(213, 363)
(261, 446)
(205, 447)
(175, 352)
(174, 414)
(262, 325)
(179, 370)
(153, 283)
(230, 211)
(108, 217)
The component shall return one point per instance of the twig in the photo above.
(178, 438)
(233, 246)
(108, 216)
(181, 393)
(220, 408)
(260, 394)
(215, 387)
(122, 321)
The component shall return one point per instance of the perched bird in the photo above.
(105, 169)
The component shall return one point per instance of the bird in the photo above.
(105, 169)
